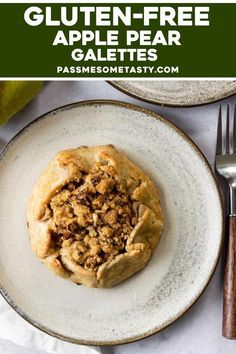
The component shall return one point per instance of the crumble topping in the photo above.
(93, 217)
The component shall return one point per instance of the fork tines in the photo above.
(229, 145)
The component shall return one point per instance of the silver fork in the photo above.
(226, 166)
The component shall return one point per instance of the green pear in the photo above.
(14, 95)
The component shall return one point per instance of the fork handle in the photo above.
(229, 304)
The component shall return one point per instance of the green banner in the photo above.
(117, 40)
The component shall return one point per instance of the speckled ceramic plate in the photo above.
(178, 93)
(178, 271)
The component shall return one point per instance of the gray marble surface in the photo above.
(199, 330)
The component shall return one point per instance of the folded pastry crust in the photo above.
(94, 217)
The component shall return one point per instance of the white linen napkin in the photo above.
(15, 329)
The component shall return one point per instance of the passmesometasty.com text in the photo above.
(117, 69)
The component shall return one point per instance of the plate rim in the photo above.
(184, 136)
(115, 84)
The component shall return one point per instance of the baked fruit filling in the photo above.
(92, 217)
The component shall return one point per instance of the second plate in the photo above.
(177, 93)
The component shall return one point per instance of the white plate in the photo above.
(178, 271)
(178, 93)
